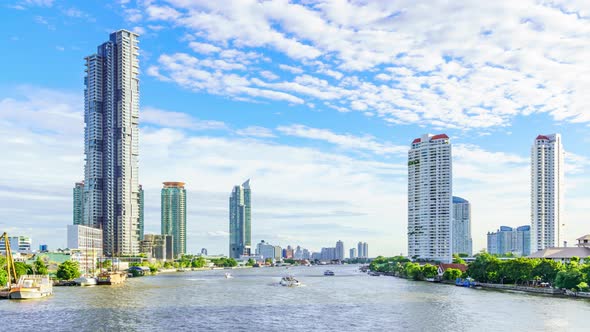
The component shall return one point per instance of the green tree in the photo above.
(583, 286)
(268, 261)
(568, 279)
(457, 259)
(199, 262)
(429, 271)
(22, 269)
(39, 266)
(547, 269)
(414, 271)
(106, 264)
(68, 270)
(250, 262)
(452, 274)
(485, 268)
(3, 278)
(519, 270)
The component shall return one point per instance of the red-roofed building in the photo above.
(417, 140)
(440, 136)
(443, 267)
(543, 137)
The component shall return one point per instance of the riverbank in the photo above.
(502, 287)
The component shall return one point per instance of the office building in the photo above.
(547, 181)
(18, 244)
(365, 250)
(174, 215)
(352, 252)
(266, 250)
(340, 250)
(278, 252)
(87, 243)
(159, 247)
(111, 147)
(462, 243)
(510, 240)
(430, 199)
(78, 206)
(328, 254)
(203, 251)
(240, 237)
(306, 254)
(43, 248)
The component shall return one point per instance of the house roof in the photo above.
(542, 137)
(461, 267)
(562, 253)
(585, 237)
(440, 136)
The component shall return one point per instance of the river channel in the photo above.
(252, 301)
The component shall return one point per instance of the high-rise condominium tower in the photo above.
(240, 237)
(174, 215)
(340, 250)
(430, 184)
(111, 135)
(462, 243)
(78, 206)
(547, 173)
(360, 250)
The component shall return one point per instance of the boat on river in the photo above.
(329, 273)
(31, 287)
(86, 281)
(228, 275)
(111, 278)
(289, 281)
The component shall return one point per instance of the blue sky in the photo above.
(315, 101)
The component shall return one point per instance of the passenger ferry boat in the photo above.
(111, 278)
(31, 287)
(86, 281)
(328, 273)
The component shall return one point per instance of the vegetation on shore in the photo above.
(491, 269)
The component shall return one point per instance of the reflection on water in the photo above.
(252, 301)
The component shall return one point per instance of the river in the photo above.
(252, 301)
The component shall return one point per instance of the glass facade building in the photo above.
(78, 206)
(510, 240)
(174, 215)
(462, 243)
(240, 221)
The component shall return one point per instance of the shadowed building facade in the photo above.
(240, 221)
(111, 143)
(174, 215)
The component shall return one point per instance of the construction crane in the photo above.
(9, 261)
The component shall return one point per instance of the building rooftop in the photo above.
(562, 253)
(458, 200)
(173, 184)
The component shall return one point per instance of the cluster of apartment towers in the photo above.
(111, 199)
(439, 225)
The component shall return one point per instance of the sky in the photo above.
(316, 102)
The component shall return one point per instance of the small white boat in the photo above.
(289, 281)
(31, 287)
(228, 275)
(85, 281)
(329, 273)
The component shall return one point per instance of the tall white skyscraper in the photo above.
(360, 250)
(547, 175)
(340, 250)
(111, 135)
(240, 221)
(430, 183)
(462, 243)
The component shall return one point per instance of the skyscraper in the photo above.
(352, 253)
(365, 250)
(240, 221)
(547, 175)
(340, 250)
(174, 215)
(430, 198)
(462, 243)
(360, 250)
(111, 147)
(141, 207)
(78, 206)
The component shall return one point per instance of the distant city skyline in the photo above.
(320, 121)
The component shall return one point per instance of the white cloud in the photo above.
(345, 141)
(203, 47)
(470, 66)
(162, 118)
(255, 131)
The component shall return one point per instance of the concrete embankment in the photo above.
(538, 290)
